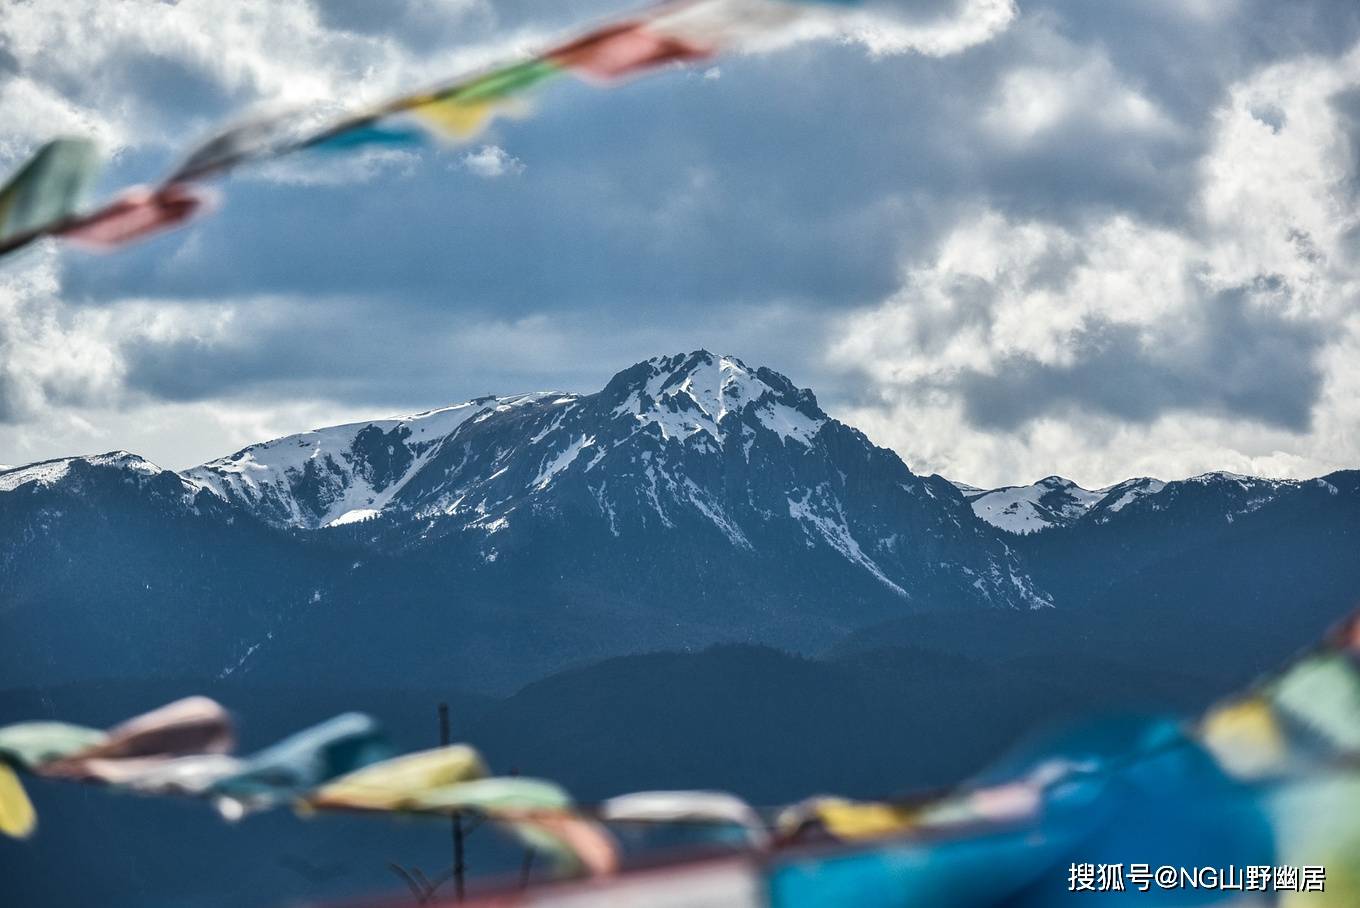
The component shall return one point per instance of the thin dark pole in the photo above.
(526, 868)
(458, 864)
(458, 856)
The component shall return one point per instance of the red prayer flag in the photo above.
(624, 49)
(136, 213)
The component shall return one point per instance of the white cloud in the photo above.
(491, 162)
(976, 22)
(886, 31)
(35, 113)
(49, 356)
(60, 365)
(1275, 213)
(1033, 100)
(987, 294)
(1278, 197)
(1062, 86)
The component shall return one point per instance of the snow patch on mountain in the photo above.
(358, 515)
(1249, 484)
(342, 474)
(1052, 501)
(652, 494)
(46, 473)
(559, 463)
(819, 510)
(710, 508)
(606, 506)
(788, 423)
(1126, 493)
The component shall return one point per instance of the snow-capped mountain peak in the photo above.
(685, 394)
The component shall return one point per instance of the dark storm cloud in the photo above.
(799, 177)
(1236, 358)
(412, 361)
(644, 195)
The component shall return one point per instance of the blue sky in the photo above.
(1007, 240)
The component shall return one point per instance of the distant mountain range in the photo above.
(1058, 502)
(694, 500)
(1053, 501)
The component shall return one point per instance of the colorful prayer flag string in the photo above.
(44, 198)
(1272, 775)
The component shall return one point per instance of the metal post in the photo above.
(526, 868)
(458, 863)
(458, 857)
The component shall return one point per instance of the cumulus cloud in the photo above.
(491, 161)
(1025, 334)
(53, 355)
(44, 360)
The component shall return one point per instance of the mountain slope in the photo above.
(691, 446)
(111, 567)
(1216, 571)
(337, 475)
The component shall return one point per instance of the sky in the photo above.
(1006, 239)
